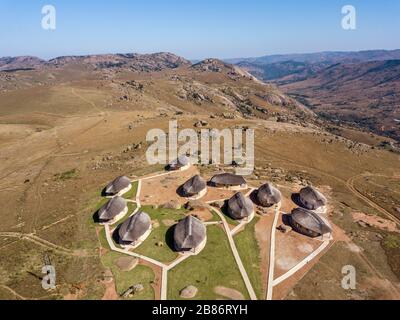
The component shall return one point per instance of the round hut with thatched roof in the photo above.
(241, 208)
(114, 210)
(190, 235)
(134, 230)
(311, 199)
(180, 164)
(195, 188)
(119, 186)
(268, 195)
(311, 224)
(228, 181)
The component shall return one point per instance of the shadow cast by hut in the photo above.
(115, 235)
(180, 192)
(286, 219)
(95, 217)
(296, 199)
(169, 238)
(104, 193)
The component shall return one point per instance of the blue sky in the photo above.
(196, 28)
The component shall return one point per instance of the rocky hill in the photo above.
(130, 61)
(366, 94)
(18, 63)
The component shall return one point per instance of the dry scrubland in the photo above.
(63, 139)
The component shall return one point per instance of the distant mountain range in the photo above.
(131, 61)
(294, 67)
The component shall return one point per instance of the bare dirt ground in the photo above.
(161, 190)
(111, 292)
(282, 290)
(157, 279)
(375, 221)
(203, 214)
(214, 194)
(291, 248)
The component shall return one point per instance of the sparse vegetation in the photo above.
(67, 175)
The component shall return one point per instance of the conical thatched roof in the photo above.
(240, 207)
(118, 185)
(228, 179)
(182, 161)
(311, 198)
(135, 227)
(189, 233)
(311, 221)
(112, 208)
(268, 195)
(194, 186)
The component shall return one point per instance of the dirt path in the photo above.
(352, 188)
(13, 292)
(87, 101)
(111, 292)
(157, 278)
(43, 243)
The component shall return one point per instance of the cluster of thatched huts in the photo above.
(307, 218)
(196, 187)
(189, 233)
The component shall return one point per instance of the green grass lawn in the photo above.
(228, 219)
(131, 194)
(214, 266)
(215, 216)
(123, 280)
(249, 252)
(131, 207)
(162, 234)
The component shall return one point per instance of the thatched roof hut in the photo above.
(194, 186)
(268, 195)
(112, 209)
(228, 180)
(310, 223)
(118, 185)
(182, 162)
(133, 229)
(240, 207)
(189, 234)
(310, 198)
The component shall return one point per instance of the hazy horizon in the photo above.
(198, 59)
(196, 29)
